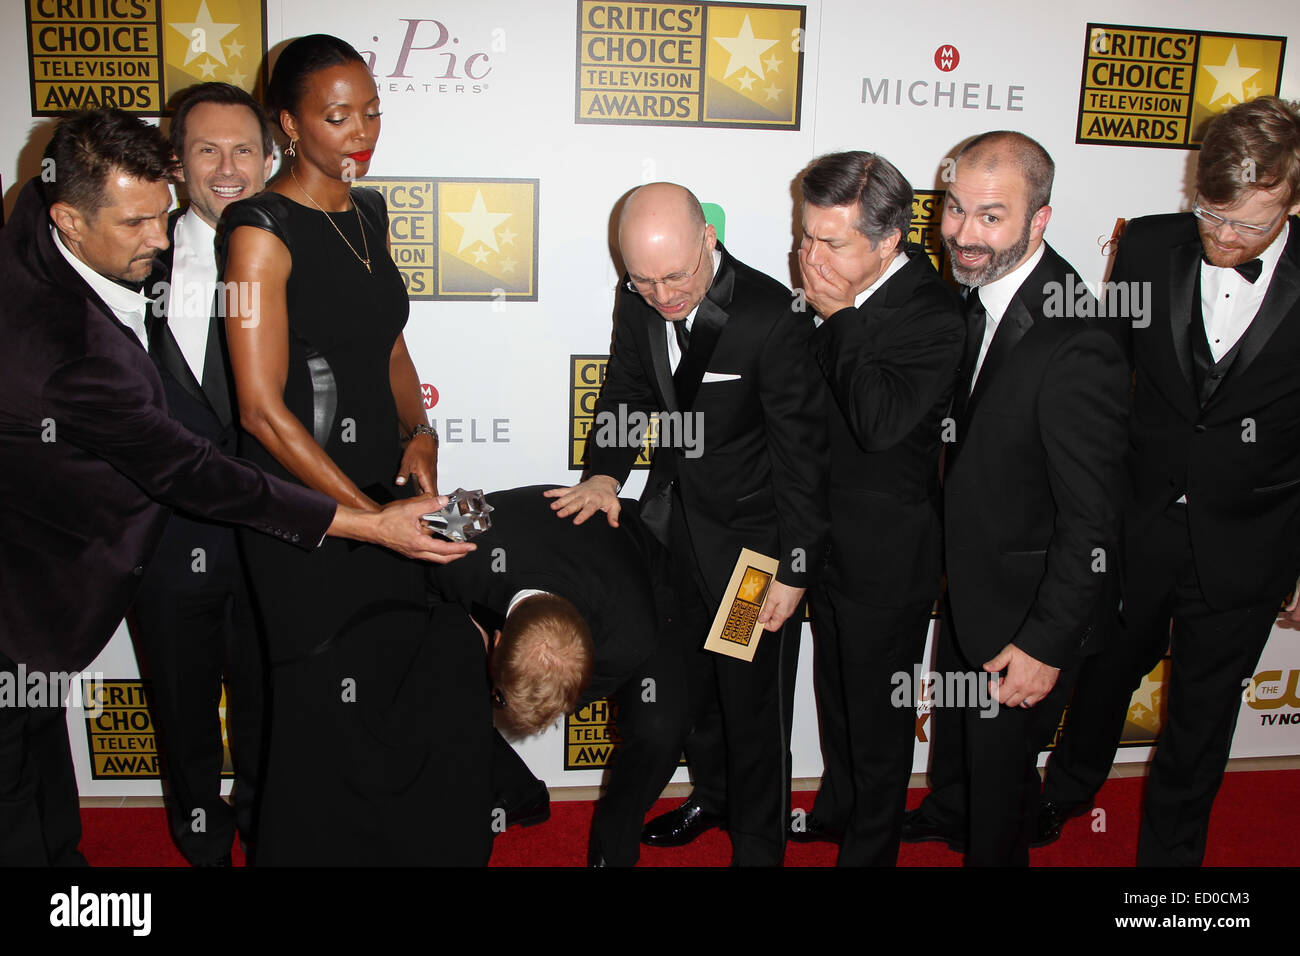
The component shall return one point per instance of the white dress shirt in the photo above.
(996, 296)
(675, 353)
(1229, 302)
(193, 284)
(128, 306)
(895, 264)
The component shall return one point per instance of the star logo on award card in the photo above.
(748, 78)
(477, 220)
(1146, 709)
(205, 40)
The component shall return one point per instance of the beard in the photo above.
(998, 264)
(1239, 251)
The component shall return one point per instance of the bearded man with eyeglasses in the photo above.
(1212, 530)
(699, 333)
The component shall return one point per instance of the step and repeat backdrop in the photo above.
(511, 129)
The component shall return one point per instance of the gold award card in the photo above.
(735, 631)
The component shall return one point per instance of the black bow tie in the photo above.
(1250, 271)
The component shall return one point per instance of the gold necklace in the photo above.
(366, 261)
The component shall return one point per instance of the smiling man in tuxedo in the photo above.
(1031, 489)
(888, 341)
(1212, 531)
(699, 333)
(194, 620)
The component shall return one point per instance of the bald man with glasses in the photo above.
(721, 349)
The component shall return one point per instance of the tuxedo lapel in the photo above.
(163, 347)
(1281, 297)
(659, 356)
(1016, 321)
(710, 318)
(1184, 302)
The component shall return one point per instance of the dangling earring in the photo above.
(289, 150)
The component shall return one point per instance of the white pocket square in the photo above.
(719, 377)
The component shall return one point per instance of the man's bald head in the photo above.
(660, 206)
(991, 151)
(666, 245)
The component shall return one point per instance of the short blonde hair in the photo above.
(541, 665)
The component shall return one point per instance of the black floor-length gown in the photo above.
(380, 728)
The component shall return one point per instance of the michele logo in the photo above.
(946, 58)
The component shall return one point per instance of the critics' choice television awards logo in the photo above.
(134, 55)
(927, 212)
(730, 65)
(121, 736)
(590, 736)
(586, 376)
(463, 239)
(1147, 86)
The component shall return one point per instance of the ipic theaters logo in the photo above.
(586, 376)
(927, 212)
(1147, 86)
(738, 66)
(933, 92)
(433, 58)
(463, 239)
(134, 55)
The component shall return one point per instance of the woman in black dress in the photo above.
(375, 703)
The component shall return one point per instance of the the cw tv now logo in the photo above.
(1273, 690)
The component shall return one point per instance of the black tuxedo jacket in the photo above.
(759, 480)
(205, 408)
(1237, 458)
(603, 571)
(90, 459)
(890, 366)
(1032, 487)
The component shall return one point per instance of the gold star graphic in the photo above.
(772, 92)
(478, 224)
(746, 80)
(773, 62)
(207, 68)
(745, 50)
(1229, 78)
(507, 237)
(480, 256)
(234, 49)
(204, 36)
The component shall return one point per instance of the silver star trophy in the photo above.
(467, 514)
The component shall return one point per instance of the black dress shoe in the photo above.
(1052, 816)
(679, 827)
(594, 855)
(810, 829)
(531, 811)
(918, 828)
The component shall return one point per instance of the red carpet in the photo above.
(1252, 825)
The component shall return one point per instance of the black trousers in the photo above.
(867, 740)
(984, 761)
(743, 711)
(193, 628)
(1214, 651)
(40, 816)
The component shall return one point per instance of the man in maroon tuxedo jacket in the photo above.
(90, 460)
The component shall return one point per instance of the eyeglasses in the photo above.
(677, 280)
(1241, 228)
